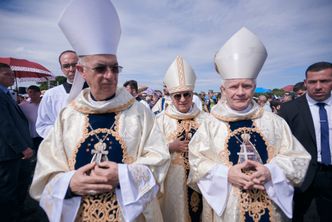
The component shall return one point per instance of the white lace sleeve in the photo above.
(279, 189)
(137, 188)
(53, 199)
(215, 188)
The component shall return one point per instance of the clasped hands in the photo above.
(95, 178)
(256, 180)
(178, 146)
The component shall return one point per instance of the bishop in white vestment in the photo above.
(101, 162)
(245, 160)
(178, 123)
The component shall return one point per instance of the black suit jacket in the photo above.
(298, 116)
(14, 129)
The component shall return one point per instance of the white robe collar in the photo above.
(85, 104)
(172, 112)
(223, 112)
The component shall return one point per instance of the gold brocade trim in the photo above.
(179, 63)
(183, 117)
(255, 202)
(252, 201)
(232, 119)
(184, 126)
(182, 160)
(224, 154)
(101, 207)
(85, 134)
(127, 159)
(194, 201)
(270, 149)
(93, 110)
(181, 89)
(72, 160)
(185, 196)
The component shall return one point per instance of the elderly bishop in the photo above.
(245, 160)
(101, 162)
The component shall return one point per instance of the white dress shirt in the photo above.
(314, 109)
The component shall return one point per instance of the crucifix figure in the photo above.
(248, 150)
(99, 153)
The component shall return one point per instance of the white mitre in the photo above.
(91, 27)
(242, 56)
(180, 76)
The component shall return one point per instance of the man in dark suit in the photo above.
(310, 119)
(15, 143)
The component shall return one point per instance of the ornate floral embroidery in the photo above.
(184, 128)
(72, 160)
(194, 201)
(100, 207)
(254, 202)
(180, 89)
(230, 119)
(85, 134)
(224, 154)
(140, 176)
(88, 110)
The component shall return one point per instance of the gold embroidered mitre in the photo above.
(180, 76)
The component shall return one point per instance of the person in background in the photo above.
(310, 119)
(157, 94)
(245, 160)
(103, 161)
(132, 88)
(163, 102)
(15, 151)
(202, 96)
(212, 99)
(275, 106)
(30, 110)
(149, 92)
(263, 102)
(299, 89)
(55, 99)
(287, 97)
(178, 123)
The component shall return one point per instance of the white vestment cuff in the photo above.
(52, 199)
(279, 189)
(137, 188)
(215, 188)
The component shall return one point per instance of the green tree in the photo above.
(49, 84)
(278, 92)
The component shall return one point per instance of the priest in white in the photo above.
(101, 162)
(178, 123)
(245, 160)
(56, 98)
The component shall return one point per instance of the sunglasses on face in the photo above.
(68, 65)
(185, 95)
(102, 68)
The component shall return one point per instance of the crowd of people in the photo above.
(88, 150)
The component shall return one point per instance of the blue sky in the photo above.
(296, 34)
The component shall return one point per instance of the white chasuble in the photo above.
(179, 202)
(226, 138)
(142, 164)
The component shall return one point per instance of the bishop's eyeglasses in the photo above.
(185, 95)
(103, 68)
